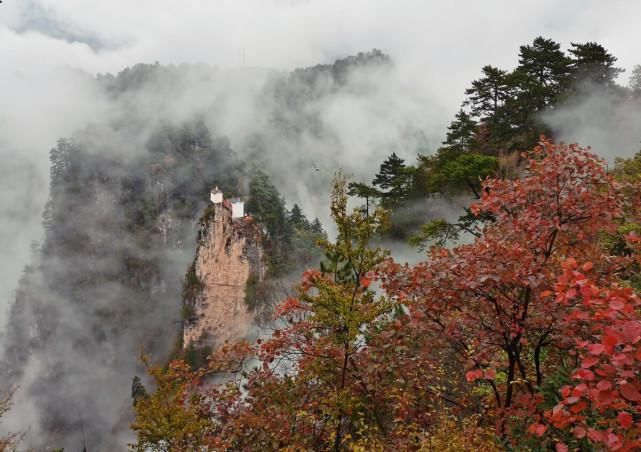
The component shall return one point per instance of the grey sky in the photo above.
(448, 40)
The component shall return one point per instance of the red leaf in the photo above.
(594, 435)
(579, 432)
(561, 447)
(605, 397)
(537, 429)
(589, 362)
(610, 340)
(575, 409)
(612, 441)
(632, 331)
(625, 419)
(617, 304)
(473, 374)
(630, 392)
(584, 374)
(595, 349)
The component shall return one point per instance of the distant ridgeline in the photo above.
(280, 119)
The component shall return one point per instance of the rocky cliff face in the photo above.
(229, 255)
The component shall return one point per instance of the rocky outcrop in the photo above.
(229, 254)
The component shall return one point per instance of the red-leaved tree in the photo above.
(602, 405)
(488, 303)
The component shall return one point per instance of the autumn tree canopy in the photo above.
(525, 338)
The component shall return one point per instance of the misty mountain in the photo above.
(125, 195)
(105, 284)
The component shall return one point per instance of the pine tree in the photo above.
(449, 172)
(635, 81)
(317, 226)
(544, 72)
(297, 219)
(267, 205)
(395, 178)
(488, 93)
(363, 191)
(138, 390)
(460, 135)
(593, 63)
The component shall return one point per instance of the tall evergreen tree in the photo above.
(297, 219)
(267, 205)
(488, 93)
(544, 71)
(138, 390)
(364, 191)
(635, 81)
(394, 179)
(317, 226)
(391, 168)
(593, 63)
(460, 135)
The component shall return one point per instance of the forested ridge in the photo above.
(504, 113)
(519, 330)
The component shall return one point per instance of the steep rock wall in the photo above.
(229, 253)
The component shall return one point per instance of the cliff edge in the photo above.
(229, 253)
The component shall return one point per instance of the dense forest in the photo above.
(519, 330)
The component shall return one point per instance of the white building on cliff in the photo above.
(216, 196)
(236, 205)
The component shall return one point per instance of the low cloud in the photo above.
(605, 119)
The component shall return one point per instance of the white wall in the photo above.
(216, 198)
(237, 209)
